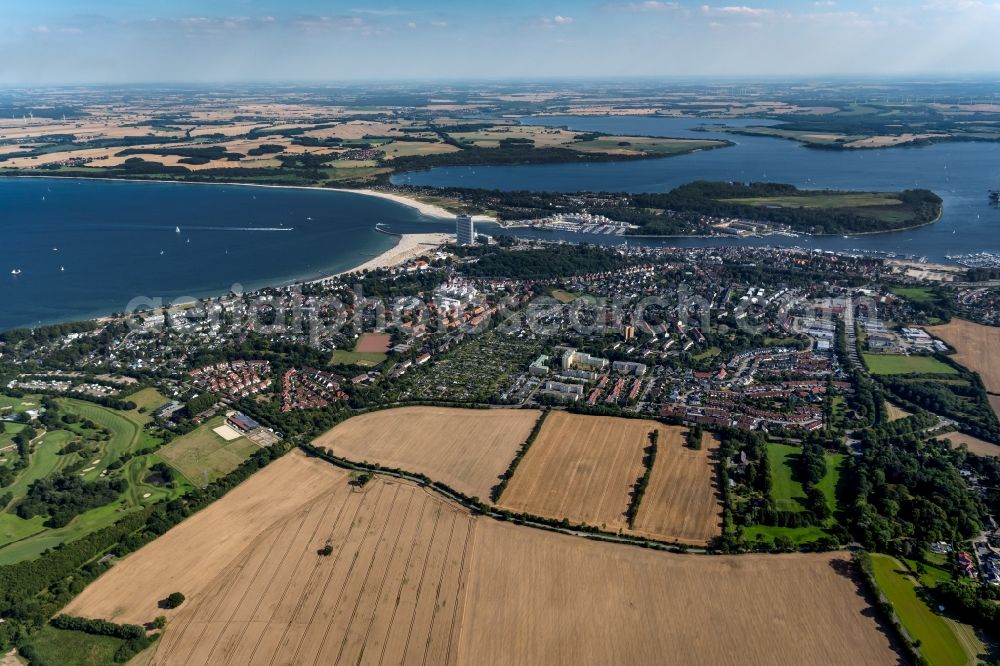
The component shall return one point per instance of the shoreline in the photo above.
(430, 210)
(406, 247)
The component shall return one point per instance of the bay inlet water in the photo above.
(961, 173)
(85, 248)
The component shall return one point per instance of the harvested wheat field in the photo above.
(391, 590)
(582, 468)
(974, 444)
(975, 346)
(681, 502)
(540, 598)
(413, 578)
(189, 557)
(468, 449)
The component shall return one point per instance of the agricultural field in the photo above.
(189, 557)
(975, 346)
(582, 468)
(202, 456)
(642, 145)
(468, 449)
(974, 444)
(629, 605)
(413, 578)
(939, 641)
(898, 364)
(681, 502)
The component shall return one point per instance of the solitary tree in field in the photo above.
(174, 600)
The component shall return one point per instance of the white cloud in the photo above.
(551, 21)
(439, 24)
(736, 10)
(647, 6)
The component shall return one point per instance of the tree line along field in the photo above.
(682, 501)
(585, 468)
(413, 578)
(975, 347)
(580, 468)
(25, 538)
(942, 641)
(468, 449)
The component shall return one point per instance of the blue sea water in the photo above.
(87, 247)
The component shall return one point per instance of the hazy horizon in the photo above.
(238, 41)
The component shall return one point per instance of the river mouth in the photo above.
(961, 173)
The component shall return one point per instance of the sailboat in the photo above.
(62, 268)
(177, 230)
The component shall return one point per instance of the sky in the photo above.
(137, 41)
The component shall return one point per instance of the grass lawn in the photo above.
(897, 364)
(797, 534)
(918, 294)
(74, 648)
(785, 491)
(828, 484)
(788, 494)
(824, 200)
(7, 440)
(150, 399)
(366, 359)
(202, 456)
(933, 573)
(9, 405)
(563, 296)
(939, 643)
(711, 352)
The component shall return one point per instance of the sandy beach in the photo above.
(427, 209)
(408, 247)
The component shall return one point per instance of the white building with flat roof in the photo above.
(465, 230)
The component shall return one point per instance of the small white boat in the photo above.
(162, 253)
(62, 268)
(177, 230)
(55, 249)
(16, 271)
